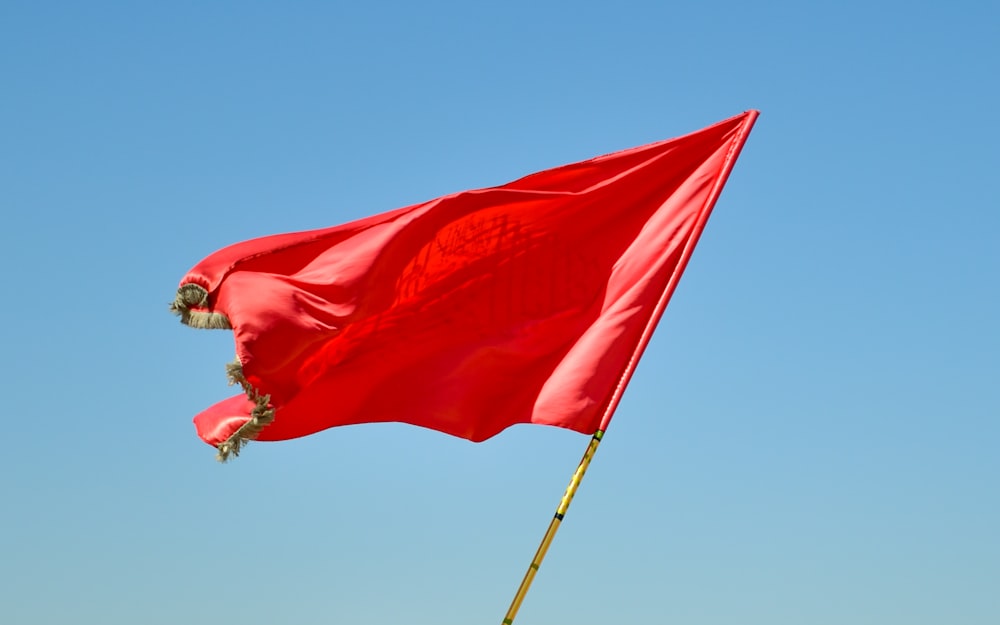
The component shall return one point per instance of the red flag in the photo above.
(529, 302)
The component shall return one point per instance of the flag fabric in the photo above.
(529, 302)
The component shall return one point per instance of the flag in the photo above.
(529, 302)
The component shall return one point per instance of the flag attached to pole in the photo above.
(530, 302)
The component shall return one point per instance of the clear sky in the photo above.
(811, 438)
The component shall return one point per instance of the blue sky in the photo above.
(811, 437)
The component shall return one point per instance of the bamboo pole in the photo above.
(550, 533)
(720, 180)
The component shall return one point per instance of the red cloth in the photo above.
(525, 303)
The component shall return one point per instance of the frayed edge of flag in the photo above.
(193, 296)
(260, 417)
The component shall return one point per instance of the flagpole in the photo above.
(550, 533)
(734, 151)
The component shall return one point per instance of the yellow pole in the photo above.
(550, 533)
